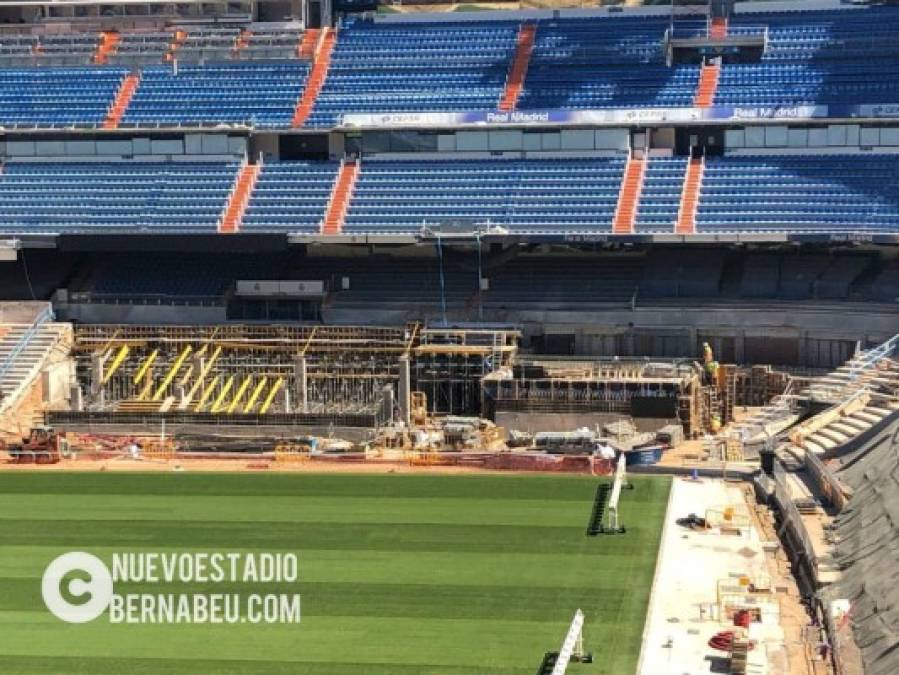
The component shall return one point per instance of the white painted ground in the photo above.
(684, 597)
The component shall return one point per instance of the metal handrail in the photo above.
(40, 320)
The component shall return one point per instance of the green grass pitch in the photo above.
(399, 574)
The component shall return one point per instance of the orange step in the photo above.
(629, 197)
(708, 85)
(340, 198)
(122, 100)
(178, 39)
(240, 198)
(316, 79)
(686, 217)
(519, 69)
(718, 29)
(242, 41)
(109, 42)
(306, 45)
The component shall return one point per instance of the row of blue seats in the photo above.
(125, 197)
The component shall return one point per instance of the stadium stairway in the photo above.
(242, 41)
(306, 45)
(317, 76)
(718, 28)
(708, 85)
(629, 197)
(239, 198)
(107, 45)
(518, 71)
(339, 203)
(22, 357)
(686, 217)
(122, 99)
(179, 39)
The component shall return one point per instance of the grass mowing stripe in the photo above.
(463, 595)
(442, 601)
(43, 665)
(498, 487)
(297, 509)
(269, 536)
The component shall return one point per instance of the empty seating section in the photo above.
(140, 48)
(271, 43)
(605, 63)
(825, 57)
(660, 199)
(47, 50)
(800, 193)
(523, 196)
(209, 44)
(263, 95)
(290, 197)
(125, 197)
(416, 67)
(57, 97)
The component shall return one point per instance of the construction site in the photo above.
(771, 467)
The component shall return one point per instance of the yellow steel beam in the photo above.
(241, 390)
(271, 395)
(176, 366)
(248, 408)
(203, 373)
(116, 362)
(145, 366)
(207, 392)
(142, 396)
(222, 394)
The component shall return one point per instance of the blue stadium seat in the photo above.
(800, 193)
(263, 95)
(523, 196)
(663, 185)
(291, 197)
(415, 67)
(130, 197)
(605, 63)
(57, 96)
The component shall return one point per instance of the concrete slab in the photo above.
(683, 609)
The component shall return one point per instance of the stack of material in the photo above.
(868, 548)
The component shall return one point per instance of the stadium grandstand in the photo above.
(340, 217)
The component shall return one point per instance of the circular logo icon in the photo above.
(87, 582)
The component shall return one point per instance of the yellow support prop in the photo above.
(172, 372)
(145, 366)
(142, 396)
(255, 395)
(271, 395)
(116, 362)
(222, 394)
(204, 373)
(241, 390)
(207, 392)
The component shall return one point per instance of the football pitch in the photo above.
(398, 574)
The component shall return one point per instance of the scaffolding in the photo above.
(234, 370)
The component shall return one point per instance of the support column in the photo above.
(405, 388)
(302, 379)
(76, 399)
(96, 373)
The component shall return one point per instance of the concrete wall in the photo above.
(21, 312)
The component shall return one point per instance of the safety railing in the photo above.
(10, 361)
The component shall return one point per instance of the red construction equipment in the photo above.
(42, 446)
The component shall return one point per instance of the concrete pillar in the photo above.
(96, 373)
(76, 399)
(405, 391)
(300, 373)
(388, 403)
(740, 346)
